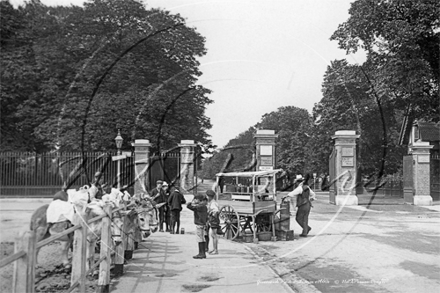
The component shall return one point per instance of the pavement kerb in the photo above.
(299, 283)
(287, 287)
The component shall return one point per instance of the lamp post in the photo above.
(118, 141)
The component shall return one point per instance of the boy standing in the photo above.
(213, 220)
(167, 215)
(159, 196)
(198, 206)
(175, 202)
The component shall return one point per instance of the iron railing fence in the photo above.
(31, 174)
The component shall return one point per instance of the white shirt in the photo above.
(297, 191)
(213, 207)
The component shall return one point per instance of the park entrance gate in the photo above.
(164, 166)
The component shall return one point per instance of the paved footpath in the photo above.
(164, 263)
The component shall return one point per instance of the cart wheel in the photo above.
(229, 222)
(263, 223)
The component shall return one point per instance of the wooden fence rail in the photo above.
(24, 257)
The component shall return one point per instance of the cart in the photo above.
(248, 204)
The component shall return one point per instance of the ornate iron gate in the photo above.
(164, 166)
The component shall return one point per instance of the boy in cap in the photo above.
(198, 206)
(213, 220)
(304, 197)
(167, 216)
(175, 201)
(158, 195)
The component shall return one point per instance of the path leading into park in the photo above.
(165, 263)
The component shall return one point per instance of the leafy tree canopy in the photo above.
(402, 40)
(71, 76)
(292, 125)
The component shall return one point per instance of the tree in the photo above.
(347, 104)
(292, 125)
(402, 40)
(108, 65)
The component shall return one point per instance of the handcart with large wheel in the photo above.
(248, 203)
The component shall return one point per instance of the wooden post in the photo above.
(129, 232)
(120, 248)
(104, 267)
(24, 268)
(137, 236)
(79, 257)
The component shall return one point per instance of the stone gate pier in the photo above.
(343, 168)
(421, 173)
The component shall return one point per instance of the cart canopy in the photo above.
(250, 174)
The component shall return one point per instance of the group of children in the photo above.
(206, 219)
(169, 212)
(206, 215)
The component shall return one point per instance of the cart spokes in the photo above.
(229, 222)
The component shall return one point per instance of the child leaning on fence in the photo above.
(200, 209)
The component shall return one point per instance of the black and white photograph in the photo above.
(219, 146)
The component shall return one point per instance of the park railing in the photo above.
(30, 174)
(25, 258)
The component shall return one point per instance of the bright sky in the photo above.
(262, 54)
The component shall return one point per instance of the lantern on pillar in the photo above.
(118, 141)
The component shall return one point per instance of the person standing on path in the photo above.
(198, 206)
(167, 216)
(175, 201)
(304, 197)
(158, 195)
(213, 220)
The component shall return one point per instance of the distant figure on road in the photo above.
(324, 184)
(213, 220)
(175, 201)
(304, 197)
(198, 206)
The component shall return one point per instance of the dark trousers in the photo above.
(168, 218)
(175, 220)
(302, 217)
(161, 217)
